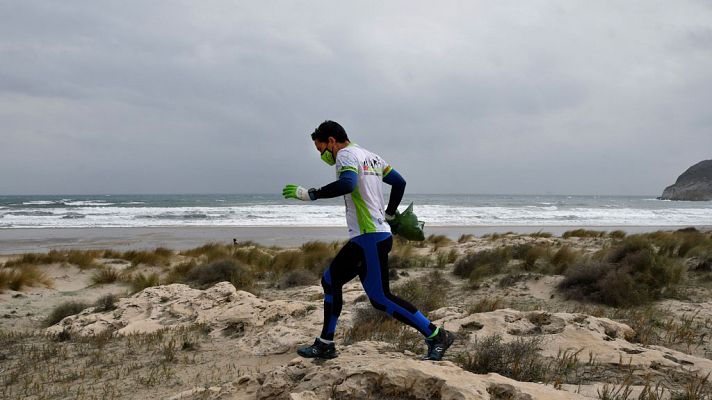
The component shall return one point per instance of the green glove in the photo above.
(297, 192)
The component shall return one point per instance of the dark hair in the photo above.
(330, 129)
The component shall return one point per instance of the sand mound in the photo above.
(260, 326)
(367, 370)
(370, 369)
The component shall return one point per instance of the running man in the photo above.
(359, 174)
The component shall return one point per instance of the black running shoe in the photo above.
(318, 350)
(439, 344)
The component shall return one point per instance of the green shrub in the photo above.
(541, 234)
(146, 257)
(82, 259)
(631, 274)
(253, 256)
(582, 233)
(106, 302)
(617, 234)
(396, 261)
(179, 272)
(533, 255)
(426, 294)
(564, 258)
(209, 251)
(318, 255)
(477, 265)
(297, 277)
(220, 271)
(64, 310)
(141, 281)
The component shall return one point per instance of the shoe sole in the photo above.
(323, 357)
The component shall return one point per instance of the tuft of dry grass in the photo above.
(297, 277)
(140, 281)
(464, 238)
(519, 359)
(427, 293)
(477, 265)
(179, 272)
(157, 257)
(583, 233)
(438, 241)
(105, 275)
(20, 276)
(106, 302)
(82, 259)
(371, 324)
(564, 258)
(228, 270)
(64, 310)
(541, 234)
(486, 304)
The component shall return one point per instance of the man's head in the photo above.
(329, 137)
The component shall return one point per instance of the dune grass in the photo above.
(227, 270)
(477, 265)
(21, 276)
(427, 293)
(632, 272)
(105, 275)
(583, 233)
(82, 259)
(64, 310)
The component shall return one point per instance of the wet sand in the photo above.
(15, 240)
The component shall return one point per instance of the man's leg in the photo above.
(375, 281)
(376, 247)
(345, 266)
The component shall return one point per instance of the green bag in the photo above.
(406, 224)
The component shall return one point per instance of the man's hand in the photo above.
(393, 222)
(297, 192)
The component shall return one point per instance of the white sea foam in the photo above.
(103, 215)
(87, 203)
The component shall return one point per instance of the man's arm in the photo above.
(393, 178)
(344, 185)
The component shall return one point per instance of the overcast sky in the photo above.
(528, 97)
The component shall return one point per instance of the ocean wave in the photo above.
(39, 203)
(82, 203)
(73, 216)
(333, 215)
(30, 213)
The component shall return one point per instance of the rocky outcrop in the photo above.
(694, 184)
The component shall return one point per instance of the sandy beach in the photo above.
(18, 240)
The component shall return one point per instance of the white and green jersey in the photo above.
(364, 206)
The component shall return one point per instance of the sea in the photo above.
(268, 210)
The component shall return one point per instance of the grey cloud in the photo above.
(479, 97)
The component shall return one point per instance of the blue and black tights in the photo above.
(367, 256)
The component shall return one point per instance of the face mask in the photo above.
(328, 157)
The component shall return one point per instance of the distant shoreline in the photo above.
(30, 240)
